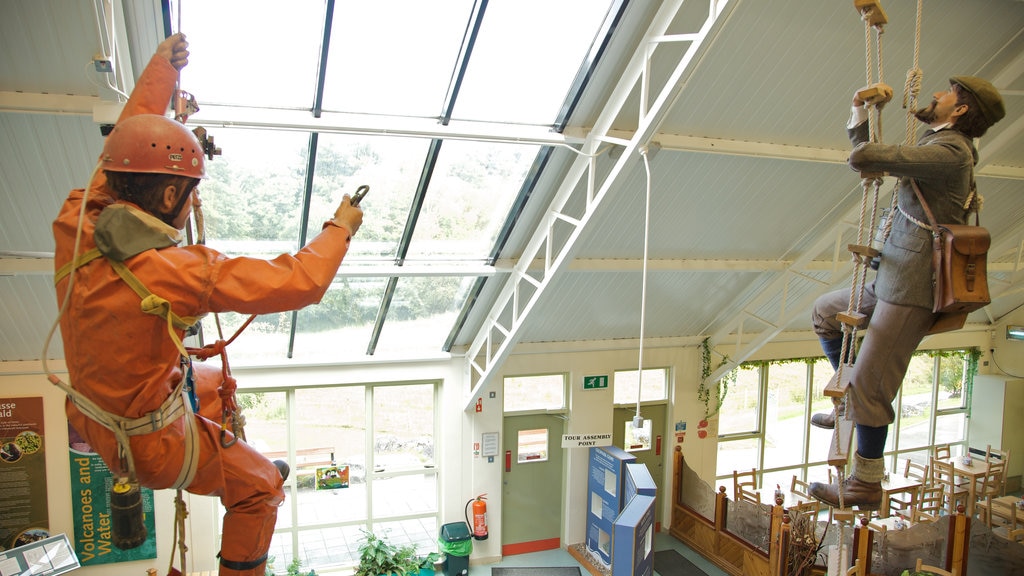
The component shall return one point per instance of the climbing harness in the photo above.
(867, 250)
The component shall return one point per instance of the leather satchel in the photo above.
(959, 264)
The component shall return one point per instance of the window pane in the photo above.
(653, 388)
(951, 382)
(820, 440)
(403, 427)
(785, 421)
(406, 69)
(332, 420)
(472, 189)
(638, 439)
(739, 410)
(915, 402)
(404, 495)
(391, 166)
(737, 455)
(517, 81)
(950, 429)
(543, 392)
(298, 30)
(423, 311)
(532, 445)
(340, 326)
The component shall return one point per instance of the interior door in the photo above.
(531, 503)
(654, 457)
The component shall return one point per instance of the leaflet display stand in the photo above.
(46, 557)
(605, 497)
(633, 538)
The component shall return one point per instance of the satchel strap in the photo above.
(928, 210)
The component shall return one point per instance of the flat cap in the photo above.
(989, 100)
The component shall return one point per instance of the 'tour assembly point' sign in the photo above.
(586, 440)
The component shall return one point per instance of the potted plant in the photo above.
(379, 557)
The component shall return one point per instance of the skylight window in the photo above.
(439, 198)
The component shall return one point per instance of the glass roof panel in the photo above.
(252, 193)
(471, 191)
(340, 326)
(252, 52)
(390, 166)
(393, 56)
(423, 311)
(526, 57)
(264, 340)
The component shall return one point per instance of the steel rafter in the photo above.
(503, 325)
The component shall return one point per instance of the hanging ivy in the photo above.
(721, 387)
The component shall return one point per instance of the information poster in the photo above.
(90, 506)
(25, 517)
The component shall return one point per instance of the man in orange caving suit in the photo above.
(124, 361)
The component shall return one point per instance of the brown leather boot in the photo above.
(828, 420)
(864, 495)
(862, 489)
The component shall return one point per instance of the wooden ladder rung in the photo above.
(844, 514)
(877, 15)
(857, 320)
(842, 437)
(861, 250)
(836, 388)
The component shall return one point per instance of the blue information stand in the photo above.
(633, 538)
(605, 497)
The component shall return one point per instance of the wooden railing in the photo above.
(739, 557)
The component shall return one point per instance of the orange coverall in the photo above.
(125, 361)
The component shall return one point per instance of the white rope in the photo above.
(643, 282)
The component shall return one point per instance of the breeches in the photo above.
(893, 334)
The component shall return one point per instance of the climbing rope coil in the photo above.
(869, 240)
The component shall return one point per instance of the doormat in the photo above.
(572, 571)
(672, 563)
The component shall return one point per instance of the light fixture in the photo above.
(1014, 332)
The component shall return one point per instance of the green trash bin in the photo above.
(456, 544)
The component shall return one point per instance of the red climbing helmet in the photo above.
(153, 144)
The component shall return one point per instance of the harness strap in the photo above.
(173, 408)
(75, 263)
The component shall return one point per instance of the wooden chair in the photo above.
(1016, 535)
(942, 452)
(744, 486)
(856, 570)
(922, 567)
(990, 486)
(943, 475)
(929, 504)
(995, 455)
(913, 470)
(1001, 518)
(801, 494)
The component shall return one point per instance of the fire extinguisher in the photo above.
(479, 522)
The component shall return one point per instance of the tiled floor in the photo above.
(561, 557)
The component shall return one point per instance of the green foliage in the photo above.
(294, 568)
(721, 387)
(378, 556)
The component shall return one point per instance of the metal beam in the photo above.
(503, 326)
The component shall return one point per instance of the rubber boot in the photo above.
(283, 468)
(862, 489)
(832, 348)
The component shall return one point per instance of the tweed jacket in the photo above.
(942, 162)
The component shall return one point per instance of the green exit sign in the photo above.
(595, 382)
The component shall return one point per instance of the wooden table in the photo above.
(897, 484)
(974, 472)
